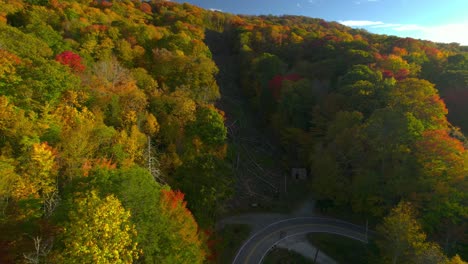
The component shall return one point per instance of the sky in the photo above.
(436, 20)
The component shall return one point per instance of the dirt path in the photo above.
(254, 159)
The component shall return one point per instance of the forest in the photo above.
(115, 148)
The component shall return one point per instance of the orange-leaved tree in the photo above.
(183, 239)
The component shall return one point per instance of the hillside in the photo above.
(128, 128)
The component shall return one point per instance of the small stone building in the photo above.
(299, 174)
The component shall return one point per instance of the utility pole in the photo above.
(149, 154)
(285, 184)
(367, 228)
(316, 255)
(153, 165)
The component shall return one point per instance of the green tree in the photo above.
(79, 138)
(420, 98)
(267, 66)
(387, 172)
(364, 89)
(208, 126)
(404, 241)
(174, 111)
(40, 173)
(191, 74)
(181, 240)
(140, 194)
(456, 260)
(441, 189)
(7, 183)
(8, 68)
(264, 68)
(167, 231)
(296, 103)
(23, 45)
(360, 73)
(47, 34)
(335, 163)
(206, 180)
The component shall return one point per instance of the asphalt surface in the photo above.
(260, 243)
(301, 245)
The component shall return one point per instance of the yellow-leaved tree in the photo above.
(402, 240)
(98, 231)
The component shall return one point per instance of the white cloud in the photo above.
(386, 25)
(315, 2)
(409, 27)
(373, 0)
(215, 9)
(298, 5)
(360, 23)
(439, 33)
(447, 33)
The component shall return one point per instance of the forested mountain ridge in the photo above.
(107, 110)
(364, 114)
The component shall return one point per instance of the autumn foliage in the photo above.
(99, 231)
(172, 200)
(277, 81)
(181, 223)
(72, 60)
(442, 156)
(121, 97)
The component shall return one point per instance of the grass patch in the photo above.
(345, 212)
(341, 249)
(229, 239)
(284, 256)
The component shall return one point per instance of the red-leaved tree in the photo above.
(72, 60)
(277, 81)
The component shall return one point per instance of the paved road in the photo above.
(258, 245)
(300, 244)
(256, 221)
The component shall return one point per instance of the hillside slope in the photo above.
(114, 146)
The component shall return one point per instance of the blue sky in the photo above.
(436, 20)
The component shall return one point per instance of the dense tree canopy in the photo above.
(366, 113)
(108, 122)
(99, 231)
(111, 96)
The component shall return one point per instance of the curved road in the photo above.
(257, 246)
